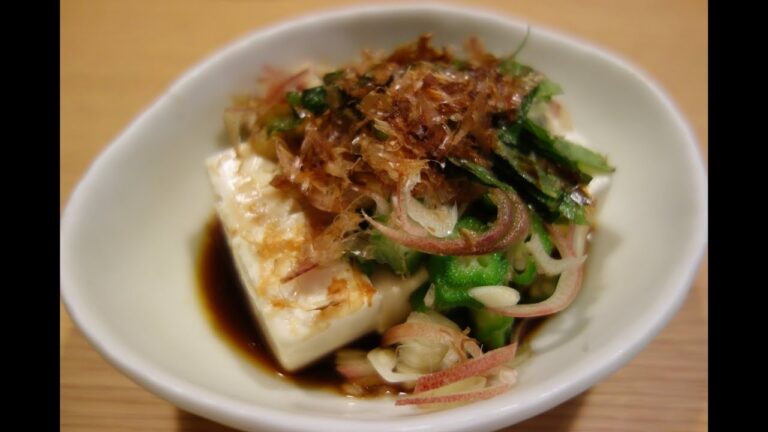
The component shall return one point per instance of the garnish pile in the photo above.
(419, 159)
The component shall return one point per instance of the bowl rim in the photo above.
(239, 414)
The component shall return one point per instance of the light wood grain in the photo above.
(117, 56)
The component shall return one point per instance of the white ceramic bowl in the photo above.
(129, 232)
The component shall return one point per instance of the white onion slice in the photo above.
(439, 221)
(429, 297)
(384, 361)
(421, 356)
(432, 317)
(580, 239)
(495, 295)
(352, 363)
(548, 265)
(507, 375)
(475, 367)
(382, 206)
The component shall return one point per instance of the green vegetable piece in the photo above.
(483, 174)
(588, 161)
(533, 170)
(510, 66)
(546, 184)
(332, 77)
(546, 90)
(282, 124)
(451, 273)
(572, 210)
(528, 275)
(379, 134)
(460, 64)
(490, 328)
(509, 132)
(537, 227)
(468, 223)
(365, 265)
(293, 98)
(402, 260)
(543, 93)
(453, 276)
(315, 99)
(573, 155)
(487, 177)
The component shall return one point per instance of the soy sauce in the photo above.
(228, 310)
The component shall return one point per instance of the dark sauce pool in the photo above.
(227, 307)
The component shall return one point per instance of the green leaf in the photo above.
(510, 66)
(483, 174)
(282, 124)
(572, 210)
(546, 90)
(588, 161)
(509, 132)
(293, 98)
(315, 99)
(364, 265)
(460, 64)
(379, 134)
(568, 153)
(540, 140)
(544, 185)
(534, 173)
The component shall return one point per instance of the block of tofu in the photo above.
(316, 313)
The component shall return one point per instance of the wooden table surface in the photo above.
(117, 56)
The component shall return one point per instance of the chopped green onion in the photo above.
(293, 98)
(315, 99)
(282, 124)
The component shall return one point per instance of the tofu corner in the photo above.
(316, 313)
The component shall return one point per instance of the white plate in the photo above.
(129, 232)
